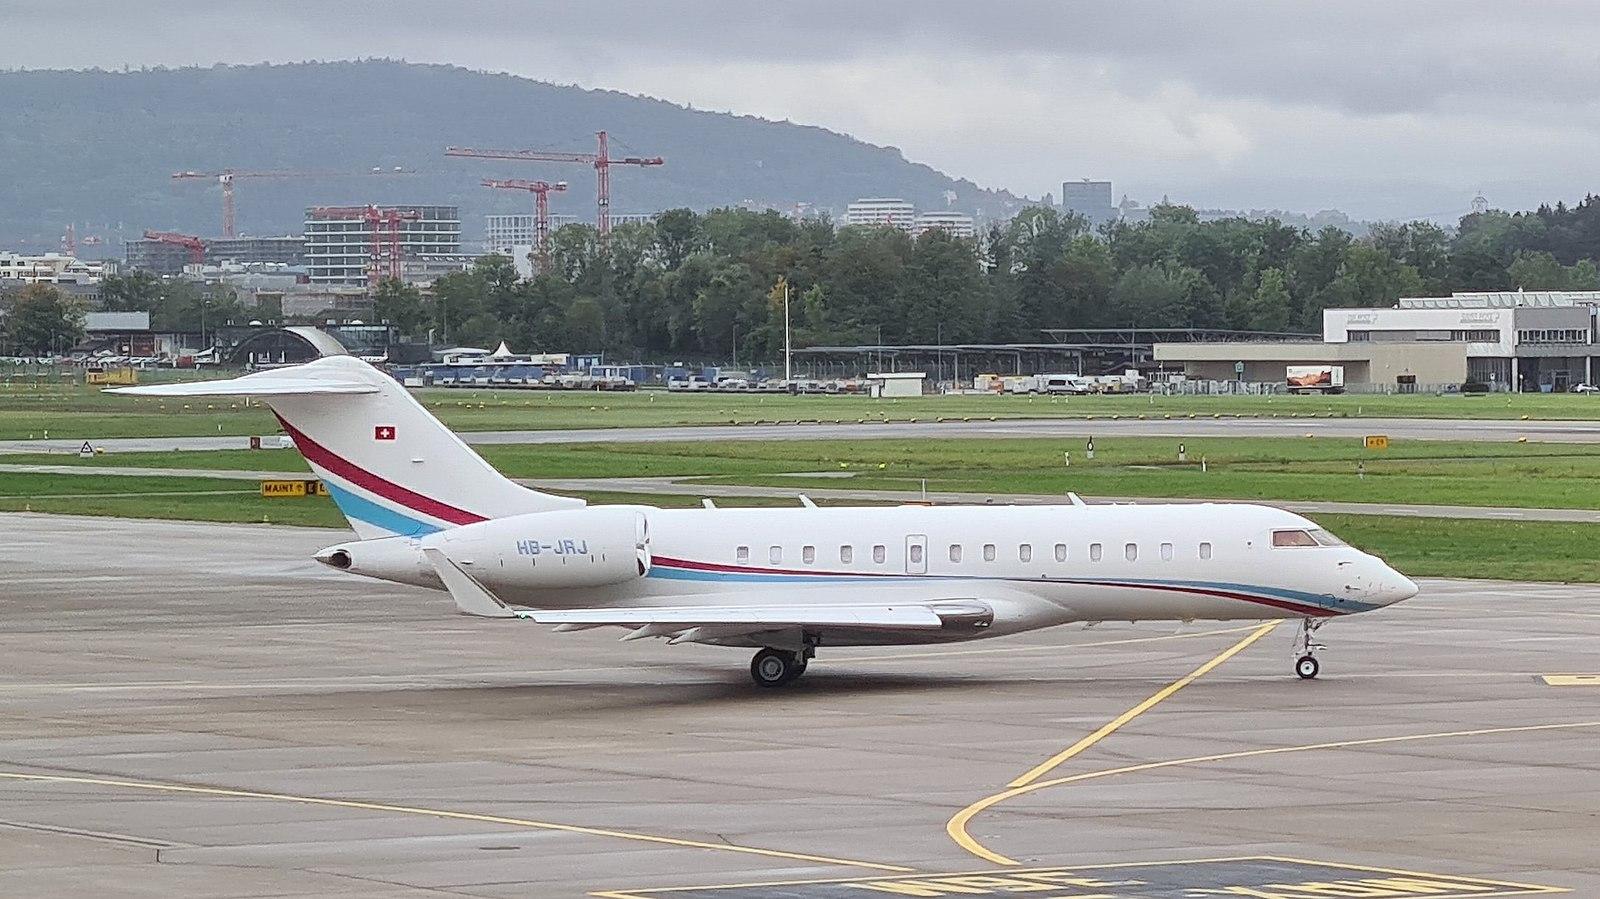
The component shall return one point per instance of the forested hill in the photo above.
(97, 148)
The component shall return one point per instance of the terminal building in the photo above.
(1530, 342)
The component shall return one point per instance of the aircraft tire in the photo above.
(776, 667)
(1306, 667)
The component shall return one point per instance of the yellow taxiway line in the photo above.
(957, 828)
(446, 814)
(1111, 727)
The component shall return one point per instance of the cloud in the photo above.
(1383, 108)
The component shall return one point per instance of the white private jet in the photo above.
(430, 512)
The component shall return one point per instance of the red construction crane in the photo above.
(541, 212)
(227, 176)
(602, 162)
(195, 246)
(384, 224)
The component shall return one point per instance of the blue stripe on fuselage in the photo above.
(363, 509)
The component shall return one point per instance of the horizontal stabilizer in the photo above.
(264, 384)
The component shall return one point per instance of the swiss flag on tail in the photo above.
(383, 432)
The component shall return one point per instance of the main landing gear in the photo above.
(1306, 666)
(777, 667)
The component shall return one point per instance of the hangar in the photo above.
(1509, 340)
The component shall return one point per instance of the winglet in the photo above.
(470, 596)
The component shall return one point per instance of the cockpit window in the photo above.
(1293, 538)
(1324, 538)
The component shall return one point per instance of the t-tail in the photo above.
(392, 468)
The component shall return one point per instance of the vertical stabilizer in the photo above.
(391, 467)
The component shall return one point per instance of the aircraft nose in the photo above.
(1393, 587)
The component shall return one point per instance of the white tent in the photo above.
(502, 352)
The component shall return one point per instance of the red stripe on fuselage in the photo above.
(366, 480)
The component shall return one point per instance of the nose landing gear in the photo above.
(1306, 666)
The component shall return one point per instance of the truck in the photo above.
(1315, 378)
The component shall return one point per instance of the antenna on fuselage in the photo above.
(1076, 499)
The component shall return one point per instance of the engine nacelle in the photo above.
(590, 547)
(397, 559)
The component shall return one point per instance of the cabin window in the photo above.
(847, 554)
(988, 552)
(1094, 552)
(1293, 538)
(742, 555)
(1205, 550)
(916, 553)
(1131, 552)
(808, 554)
(1025, 552)
(1061, 552)
(955, 552)
(878, 553)
(1166, 552)
(775, 555)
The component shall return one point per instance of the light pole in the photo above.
(788, 368)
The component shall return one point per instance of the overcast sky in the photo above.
(1389, 109)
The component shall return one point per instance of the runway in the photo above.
(198, 710)
(1102, 426)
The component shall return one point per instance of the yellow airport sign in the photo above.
(112, 376)
(1376, 441)
(300, 487)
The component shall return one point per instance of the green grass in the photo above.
(28, 409)
(213, 499)
(1468, 548)
(1538, 475)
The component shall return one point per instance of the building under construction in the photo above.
(345, 247)
(166, 256)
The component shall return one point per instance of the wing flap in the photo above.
(664, 620)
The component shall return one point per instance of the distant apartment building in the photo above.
(289, 249)
(50, 268)
(955, 224)
(1090, 199)
(339, 249)
(885, 212)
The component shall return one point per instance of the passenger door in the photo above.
(917, 554)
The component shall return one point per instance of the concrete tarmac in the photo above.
(1354, 428)
(199, 710)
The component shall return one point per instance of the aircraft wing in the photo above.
(759, 617)
(711, 617)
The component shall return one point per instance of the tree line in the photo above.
(701, 286)
(693, 285)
